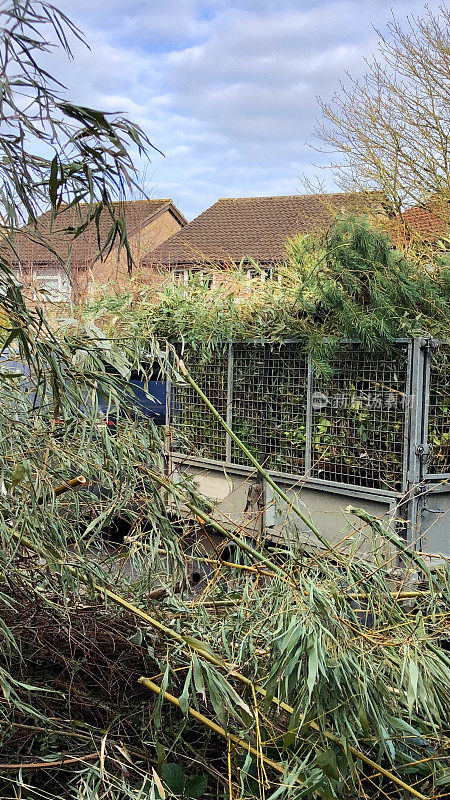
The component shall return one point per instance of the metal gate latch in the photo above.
(423, 451)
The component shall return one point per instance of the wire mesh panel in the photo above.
(269, 405)
(439, 411)
(358, 418)
(196, 430)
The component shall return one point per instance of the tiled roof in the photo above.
(85, 248)
(420, 224)
(254, 227)
(430, 224)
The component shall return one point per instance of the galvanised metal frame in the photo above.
(408, 496)
(438, 351)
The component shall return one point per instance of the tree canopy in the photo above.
(390, 129)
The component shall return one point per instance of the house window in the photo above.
(52, 285)
(264, 274)
(181, 275)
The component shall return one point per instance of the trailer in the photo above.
(372, 431)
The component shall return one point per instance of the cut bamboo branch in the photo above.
(209, 723)
(218, 562)
(357, 753)
(206, 652)
(149, 684)
(216, 660)
(72, 483)
(376, 525)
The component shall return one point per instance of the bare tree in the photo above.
(391, 128)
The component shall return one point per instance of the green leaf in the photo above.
(137, 637)
(216, 695)
(202, 648)
(363, 720)
(53, 182)
(159, 699)
(412, 686)
(173, 776)
(184, 697)
(161, 756)
(199, 683)
(18, 475)
(14, 334)
(196, 786)
(444, 779)
(327, 763)
(294, 724)
(313, 667)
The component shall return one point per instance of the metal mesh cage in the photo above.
(269, 405)
(358, 419)
(354, 432)
(197, 432)
(439, 411)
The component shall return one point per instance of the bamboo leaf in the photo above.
(412, 686)
(199, 683)
(184, 697)
(18, 475)
(160, 787)
(313, 666)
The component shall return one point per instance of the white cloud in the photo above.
(226, 88)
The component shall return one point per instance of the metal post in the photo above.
(229, 401)
(407, 410)
(308, 421)
(418, 447)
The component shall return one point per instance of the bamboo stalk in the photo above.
(209, 723)
(376, 525)
(256, 554)
(218, 562)
(47, 764)
(80, 480)
(256, 463)
(72, 483)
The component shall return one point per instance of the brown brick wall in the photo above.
(112, 273)
(102, 277)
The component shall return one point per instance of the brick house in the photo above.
(55, 266)
(251, 230)
(423, 225)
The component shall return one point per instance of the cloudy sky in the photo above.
(226, 89)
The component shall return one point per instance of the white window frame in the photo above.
(263, 273)
(62, 290)
(181, 275)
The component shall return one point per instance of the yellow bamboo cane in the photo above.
(209, 723)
